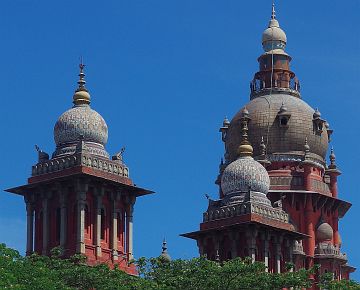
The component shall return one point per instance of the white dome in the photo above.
(274, 37)
(80, 121)
(245, 174)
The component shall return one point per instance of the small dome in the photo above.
(80, 121)
(324, 232)
(245, 174)
(273, 37)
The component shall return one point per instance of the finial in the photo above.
(245, 148)
(332, 159)
(262, 147)
(226, 122)
(164, 246)
(81, 96)
(164, 254)
(306, 146)
(273, 15)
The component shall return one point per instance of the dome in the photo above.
(273, 37)
(285, 141)
(80, 121)
(324, 232)
(245, 174)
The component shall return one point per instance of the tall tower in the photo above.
(290, 140)
(80, 199)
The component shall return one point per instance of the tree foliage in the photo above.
(41, 272)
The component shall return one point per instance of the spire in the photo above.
(81, 96)
(273, 15)
(245, 148)
(164, 254)
(332, 159)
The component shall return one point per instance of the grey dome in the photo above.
(284, 140)
(80, 121)
(324, 232)
(245, 174)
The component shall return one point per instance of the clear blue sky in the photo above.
(163, 74)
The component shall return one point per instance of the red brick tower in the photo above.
(291, 140)
(80, 199)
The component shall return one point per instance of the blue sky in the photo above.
(164, 74)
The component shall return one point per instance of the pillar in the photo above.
(130, 228)
(80, 220)
(234, 242)
(333, 182)
(200, 244)
(45, 223)
(278, 253)
(63, 221)
(114, 238)
(98, 224)
(30, 227)
(251, 242)
(310, 242)
(307, 179)
(266, 251)
(335, 226)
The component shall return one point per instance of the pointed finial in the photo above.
(262, 147)
(245, 148)
(332, 159)
(273, 15)
(226, 122)
(81, 96)
(306, 146)
(164, 254)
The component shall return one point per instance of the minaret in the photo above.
(80, 199)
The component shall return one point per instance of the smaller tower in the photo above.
(80, 199)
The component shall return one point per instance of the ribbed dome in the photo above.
(245, 174)
(80, 121)
(285, 140)
(324, 232)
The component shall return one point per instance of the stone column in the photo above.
(290, 244)
(234, 243)
(80, 243)
(45, 221)
(200, 244)
(30, 227)
(307, 177)
(114, 238)
(63, 220)
(98, 223)
(278, 254)
(130, 228)
(251, 235)
(266, 251)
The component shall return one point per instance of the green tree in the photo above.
(41, 272)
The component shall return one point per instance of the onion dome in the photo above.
(245, 173)
(273, 37)
(324, 232)
(80, 123)
(164, 254)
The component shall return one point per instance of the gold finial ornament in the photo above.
(81, 96)
(245, 148)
